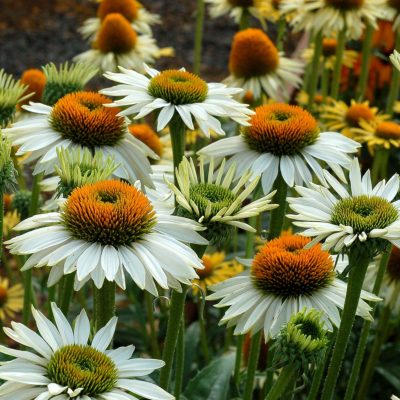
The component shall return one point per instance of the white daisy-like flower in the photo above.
(332, 16)
(80, 120)
(257, 66)
(362, 215)
(118, 44)
(214, 200)
(284, 278)
(106, 229)
(177, 92)
(63, 365)
(236, 8)
(284, 139)
(134, 12)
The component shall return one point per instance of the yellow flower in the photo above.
(11, 218)
(215, 270)
(11, 299)
(384, 134)
(338, 116)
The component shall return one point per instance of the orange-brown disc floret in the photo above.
(283, 267)
(388, 130)
(329, 47)
(36, 81)
(128, 8)
(345, 5)
(145, 134)
(116, 35)
(3, 295)
(82, 118)
(108, 212)
(252, 54)
(393, 268)
(208, 267)
(281, 129)
(357, 112)
(178, 87)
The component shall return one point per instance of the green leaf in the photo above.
(212, 382)
(192, 339)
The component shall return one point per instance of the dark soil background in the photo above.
(35, 32)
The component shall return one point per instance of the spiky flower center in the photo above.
(388, 130)
(3, 295)
(364, 213)
(35, 79)
(357, 112)
(178, 87)
(82, 118)
(283, 267)
(241, 3)
(393, 267)
(108, 212)
(252, 54)
(329, 47)
(395, 4)
(78, 366)
(116, 35)
(128, 8)
(281, 129)
(345, 5)
(146, 134)
(212, 196)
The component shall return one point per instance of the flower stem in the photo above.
(238, 359)
(325, 83)
(359, 260)
(338, 63)
(362, 344)
(203, 332)
(104, 304)
(278, 214)
(395, 82)
(255, 347)
(380, 337)
(286, 377)
(198, 39)
(1, 219)
(244, 19)
(67, 292)
(379, 166)
(281, 33)
(365, 63)
(313, 83)
(155, 350)
(180, 361)
(177, 132)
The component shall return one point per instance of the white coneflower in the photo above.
(63, 363)
(106, 229)
(364, 215)
(177, 92)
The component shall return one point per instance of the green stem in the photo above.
(228, 338)
(359, 260)
(395, 82)
(325, 83)
(269, 372)
(250, 238)
(180, 361)
(177, 132)
(238, 359)
(104, 304)
(286, 376)
(198, 38)
(366, 58)
(51, 296)
(203, 332)
(1, 219)
(278, 214)
(379, 165)
(362, 344)
(338, 63)
(254, 354)
(155, 351)
(67, 292)
(35, 194)
(314, 70)
(375, 352)
(281, 33)
(244, 20)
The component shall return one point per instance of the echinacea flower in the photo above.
(177, 92)
(80, 120)
(145, 134)
(284, 139)
(340, 117)
(62, 363)
(35, 80)
(284, 278)
(11, 299)
(118, 44)
(134, 12)
(362, 216)
(64, 79)
(106, 229)
(12, 92)
(332, 16)
(216, 270)
(215, 201)
(255, 64)
(378, 134)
